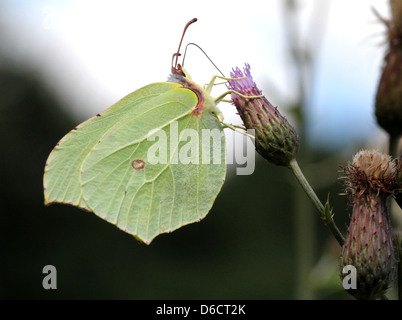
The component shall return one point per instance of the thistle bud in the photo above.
(368, 246)
(275, 139)
(388, 102)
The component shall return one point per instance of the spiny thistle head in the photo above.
(370, 180)
(275, 139)
(388, 102)
(370, 171)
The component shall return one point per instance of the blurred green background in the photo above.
(261, 240)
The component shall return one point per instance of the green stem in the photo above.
(393, 151)
(393, 145)
(330, 223)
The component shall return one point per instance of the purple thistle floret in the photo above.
(243, 86)
(275, 139)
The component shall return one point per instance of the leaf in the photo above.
(108, 165)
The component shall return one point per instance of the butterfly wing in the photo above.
(103, 165)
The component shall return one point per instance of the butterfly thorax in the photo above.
(206, 103)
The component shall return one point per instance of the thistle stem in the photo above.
(330, 223)
(393, 151)
(393, 145)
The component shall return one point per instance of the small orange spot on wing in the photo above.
(138, 164)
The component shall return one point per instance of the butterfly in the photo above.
(151, 163)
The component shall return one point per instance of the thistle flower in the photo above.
(388, 102)
(368, 247)
(275, 139)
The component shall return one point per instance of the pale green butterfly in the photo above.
(107, 164)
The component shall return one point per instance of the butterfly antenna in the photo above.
(184, 56)
(176, 68)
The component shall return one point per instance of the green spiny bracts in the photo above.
(275, 139)
(388, 103)
(369, 248)
(370, 180)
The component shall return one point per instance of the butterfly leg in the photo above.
(236, 128)
(223, 95)
(212, 83)
(208, 88)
